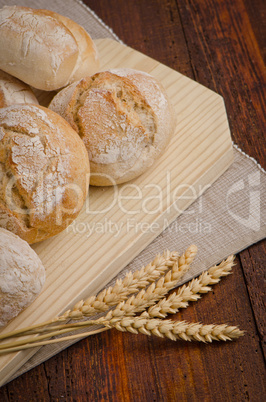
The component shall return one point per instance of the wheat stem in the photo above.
(51, 341)
(111, 296)
(136, 302)
(122, 317)
(21, 332)
(170, 305)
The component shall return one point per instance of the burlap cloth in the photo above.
(229, 217)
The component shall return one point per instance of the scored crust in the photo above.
(44, 170)
(43, 48)
(36, 48)
(88, 58)
(124, 118)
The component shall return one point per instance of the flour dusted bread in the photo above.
(22, 275)
(13, 91)
(43, 48)
(88, 60)
(124, 118)
(44, 169)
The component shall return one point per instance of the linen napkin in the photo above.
(226, 219)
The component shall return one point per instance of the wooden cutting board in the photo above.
(117, 223)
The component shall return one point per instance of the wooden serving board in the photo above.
(117, 223)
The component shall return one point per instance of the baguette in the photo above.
(44, 49)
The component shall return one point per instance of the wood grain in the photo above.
(253, 263)
(213, 33)
(213, 43)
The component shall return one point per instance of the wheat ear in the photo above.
(175, 330)
(132, 283)
(147, 297)
(191, 291)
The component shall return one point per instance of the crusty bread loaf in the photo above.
(124, 118)
(43, 48)
(44, 170)
(13, 91)
(22, 275)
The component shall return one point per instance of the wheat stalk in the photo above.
(177, 266)
(171, 304)
(111, 296)
(122, 318)
(191, 291)
(174, 330)
(51, 341)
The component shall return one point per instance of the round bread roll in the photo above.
(124, 118)
(22, 275)
(44, 169)
(44, 49)
(14, 91)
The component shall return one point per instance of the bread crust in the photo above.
(44, 49)
(88, 58)
(14, 91)
(124, 118)
(44, 171)
(22, 275)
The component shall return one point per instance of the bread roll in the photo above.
(44, 169)
(13, 91)
(22, 275)
(43, 48)
(124, 118)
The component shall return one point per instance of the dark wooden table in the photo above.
(220, 44)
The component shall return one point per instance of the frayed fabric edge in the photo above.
(249, 157)
(99, 20)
